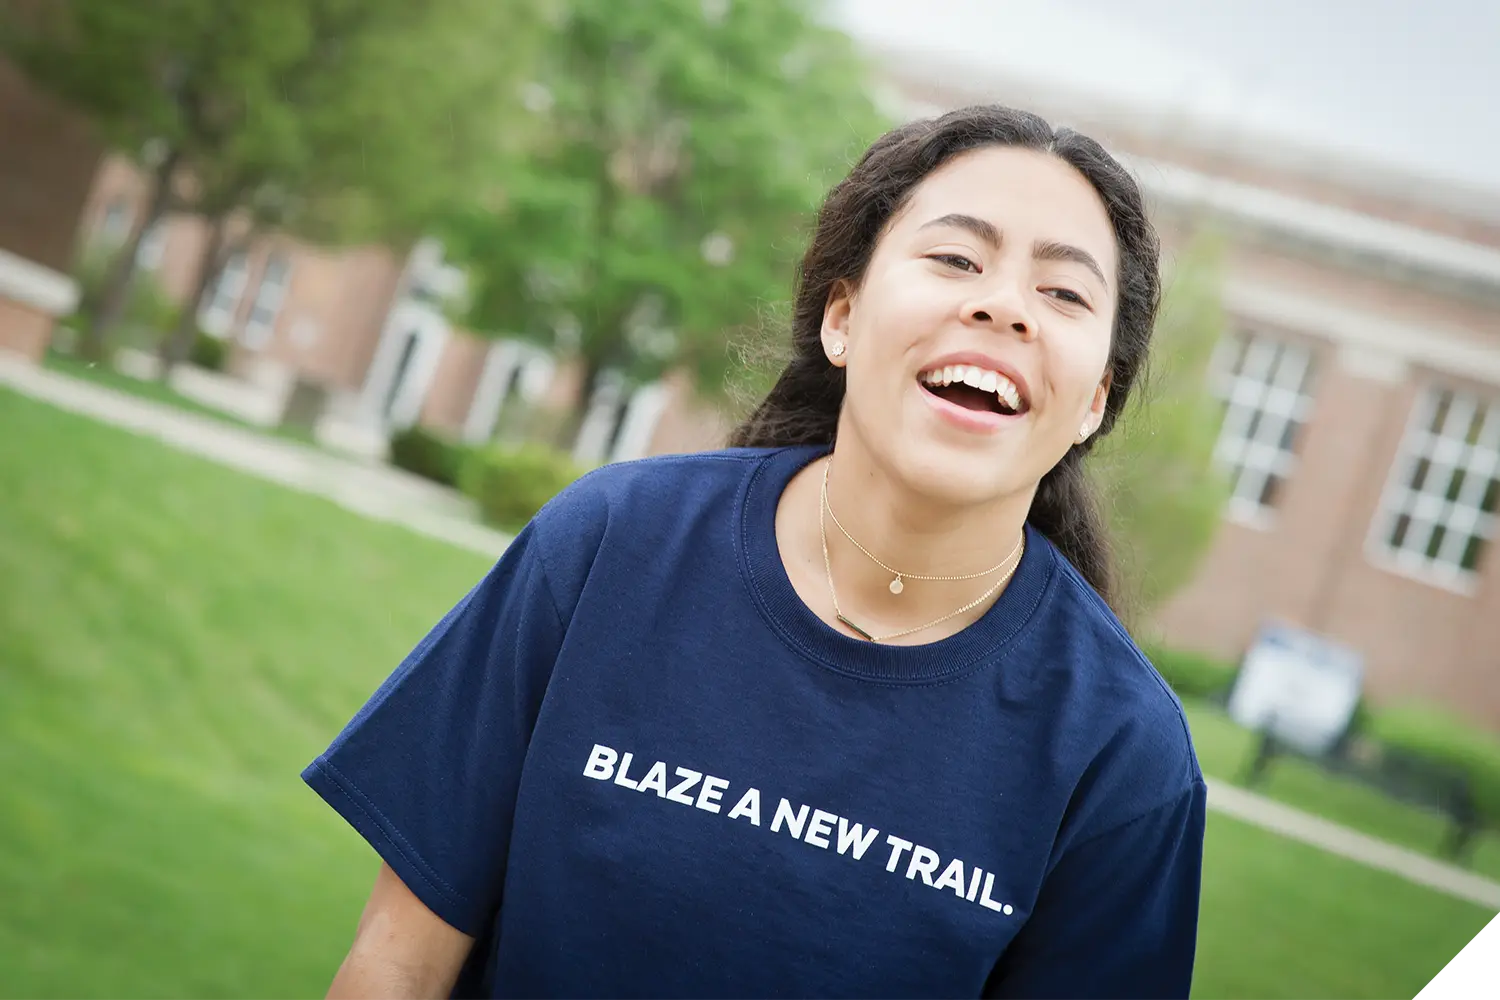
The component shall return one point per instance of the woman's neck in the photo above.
(903, 527)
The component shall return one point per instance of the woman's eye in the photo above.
(956, 260)
(1065, 295)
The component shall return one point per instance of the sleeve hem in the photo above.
(362, 814)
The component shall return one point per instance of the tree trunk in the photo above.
(120, 280)
(176, 346)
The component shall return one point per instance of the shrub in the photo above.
(420, 451)
(209, 352)
(1192, 675)
(1436, 736)
(149, 311)
(512, 484)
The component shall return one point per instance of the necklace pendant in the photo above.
(855, 628)
(897, 586)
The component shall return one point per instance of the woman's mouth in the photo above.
(973, 388)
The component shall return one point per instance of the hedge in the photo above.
(420, 451)
(1440, 737)
(1430, 735)
(209, 352)
(1192, 675)
(512, 484)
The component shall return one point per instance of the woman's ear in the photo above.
(1101, 400)
(1095, 416)
(836, 328)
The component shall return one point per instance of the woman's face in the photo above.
(1000, 270)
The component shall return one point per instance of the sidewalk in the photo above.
(1271, 815)
(389, 494)
(381, 492)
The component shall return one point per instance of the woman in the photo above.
(780, 721)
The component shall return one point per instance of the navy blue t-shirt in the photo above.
(631, 762)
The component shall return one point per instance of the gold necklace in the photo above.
(897, 576)
(832, 593)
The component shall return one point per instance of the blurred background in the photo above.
(306, 304)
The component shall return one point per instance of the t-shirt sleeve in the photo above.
(428, 769)
(1118, 914)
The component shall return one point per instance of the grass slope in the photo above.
(177, 640)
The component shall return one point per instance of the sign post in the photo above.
(1297, 688)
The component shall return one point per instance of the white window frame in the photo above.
(153, 246)
(218, 312)
(1264, 382)
(114, 224)
(1450, 431)
(270, 295)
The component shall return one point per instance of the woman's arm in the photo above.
(401, 948)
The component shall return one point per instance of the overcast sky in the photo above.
(1415, 83)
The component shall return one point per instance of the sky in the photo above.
(1414, 84)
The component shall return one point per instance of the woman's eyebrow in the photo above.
(1053, 250)
(1040, 250)
(980, 228)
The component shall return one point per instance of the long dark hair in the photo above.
(803, 406)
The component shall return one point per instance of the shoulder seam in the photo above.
(1165, 804)
(1086, 594)
(547, 584)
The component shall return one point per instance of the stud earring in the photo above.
(837, 349)
(1084, 432)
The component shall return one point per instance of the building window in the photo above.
(114, 228)
(221, 304)
(1263, 384)
(269, 296)
(1438, 512)
(152, 247)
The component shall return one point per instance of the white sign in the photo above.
(1299, 687)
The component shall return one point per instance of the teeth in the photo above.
(979, 378)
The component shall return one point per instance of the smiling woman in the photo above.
(877, 628)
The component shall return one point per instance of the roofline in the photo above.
(1246, 143)
(1327, 227)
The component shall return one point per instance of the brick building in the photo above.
(48, 158)
(1360, 378)
(368, 324)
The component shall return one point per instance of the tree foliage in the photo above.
(339, 119)
(1164, 496)
(684, 145)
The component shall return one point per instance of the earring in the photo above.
(837, 349)
(1084, 432)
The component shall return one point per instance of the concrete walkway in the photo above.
(389, 494)
(378, 491)
(1271, 815)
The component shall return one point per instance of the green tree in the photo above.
(686, 144)
(339, 119)
(1163, 494)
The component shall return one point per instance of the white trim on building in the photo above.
(1390, 341)
(222, 303)
(405, 363)
(41, 288)
(270, 294)
(1325, 226)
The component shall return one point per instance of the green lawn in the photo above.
(1224, 749)
(177, 640)
(105, 375)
